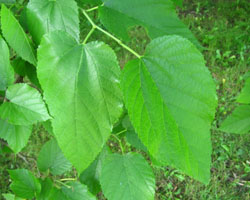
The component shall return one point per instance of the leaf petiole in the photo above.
(94, 8)
(120, 142)
(68, 179)
(89, 34)
(64, 184)
(110, 35)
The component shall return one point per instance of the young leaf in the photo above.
(81, 88)
(16, 136)
(157, 16)
(238, 122)
(6, 71)
(24, 184)
(244, 96)
(44, 16)
(74, 191)
(91, 175)
(51, 158)
(25, 106)
(16, 37)
(126, 177)
(166, 92)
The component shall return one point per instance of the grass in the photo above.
(223, 28)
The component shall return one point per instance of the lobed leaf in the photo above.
(81, 88)
(166, 93)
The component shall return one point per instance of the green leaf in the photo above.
(46, 186)
(171, 100)
(74, 191)
(91, 175)
(51, 158)
(48, 127)
(238, 122)
(132, 136)
(8, 1)
(77, 191)
(23, 68)
(178, 3)
(25, 106)
(133, 139)
(6, 71)
(157, 16)
(20, 66)
(16, 136)
(244, 96)
(16, 37)
(83, 95)
(92, 2)
(126, 177)
(44, 16)
(24, 184)
(11, 197)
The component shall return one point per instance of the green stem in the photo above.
(88, 18)
(89, 34)
(94, 8)
(110, 35)
(121, 132)
(68, 179)
(63, 184)
(120, 142)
